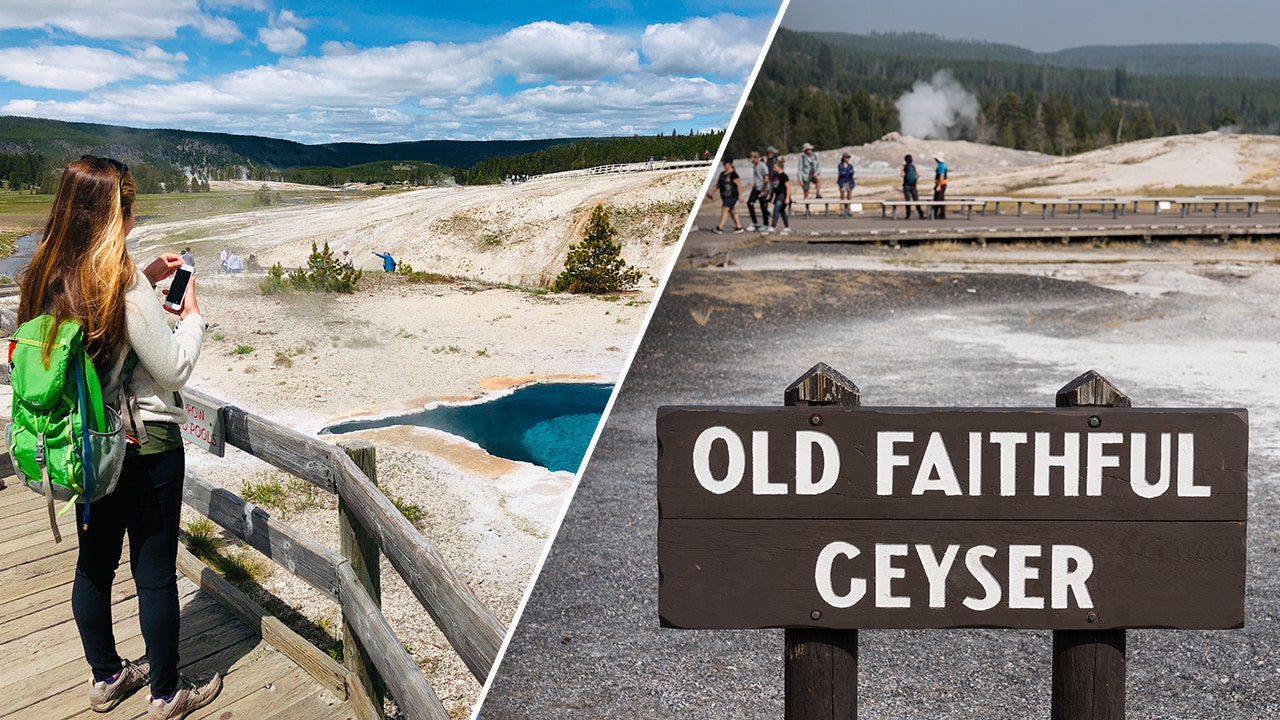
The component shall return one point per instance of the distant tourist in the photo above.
(940, 186)
(252, 264)
(388, 262)
(188, 258)
(909, 179)
(222, 257)
(234, 264)
(348, 261)
(759, 192)
(780, 191)
(844, 181)
(730, 188)
(809, 171)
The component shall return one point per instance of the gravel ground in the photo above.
(1185, 330)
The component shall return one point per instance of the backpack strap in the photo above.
(48, 488)
(86, 453)
(129, 413)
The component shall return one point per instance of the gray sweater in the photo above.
(166, 356)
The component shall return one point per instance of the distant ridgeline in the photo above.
(834, 89)
(32, 151)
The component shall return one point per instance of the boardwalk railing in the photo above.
(371, 524)
(626, 168)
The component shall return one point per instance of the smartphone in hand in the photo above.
(178, 289)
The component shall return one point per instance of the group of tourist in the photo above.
(771, 188)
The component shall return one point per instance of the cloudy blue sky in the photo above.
(382, 70)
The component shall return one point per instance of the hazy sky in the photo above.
(1049, 25)
(383, 70)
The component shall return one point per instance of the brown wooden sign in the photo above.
(843, 517)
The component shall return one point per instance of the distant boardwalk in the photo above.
(627, 168)
(45, 675)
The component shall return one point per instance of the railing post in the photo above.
(1089, 665)
(820, 670)
(359, 549)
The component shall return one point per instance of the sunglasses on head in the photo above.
(119, 166)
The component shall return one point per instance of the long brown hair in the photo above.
(81, 268)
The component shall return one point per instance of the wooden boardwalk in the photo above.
(43, 674)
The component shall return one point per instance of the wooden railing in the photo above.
(370, 525)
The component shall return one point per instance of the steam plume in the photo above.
(937, 109)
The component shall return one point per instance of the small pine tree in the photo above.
(595, 265)
(323, 273)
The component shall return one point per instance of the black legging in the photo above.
(147, 504)
(757, 196)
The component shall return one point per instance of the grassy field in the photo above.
(22, 213)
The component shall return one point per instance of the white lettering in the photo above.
(1069, 461)
(1066, 579)
(1097, 460)
(973, 561)
(1008, 442)
(822, 576)
(935, 458)
(975, 464)
(936, 571)
(760, 484)
(886, 573)
(1186, 468)
(1138, 466)
(805, 442)
(1019, 574)
(702, 459)
(886, 460)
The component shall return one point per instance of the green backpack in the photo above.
(65, 442)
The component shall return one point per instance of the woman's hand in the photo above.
(189, 304)
(162, 267)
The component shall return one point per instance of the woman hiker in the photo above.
(82, 271)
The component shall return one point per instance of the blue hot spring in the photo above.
(547, 424)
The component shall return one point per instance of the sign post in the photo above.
(1089, 665)
(820, 667)
(204, 426)
(823, 519)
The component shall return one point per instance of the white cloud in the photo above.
(633, 103)
(115, 20)
(81, 68)
(588, 81)
(282, 36)
(259, 5)
(578, 51)
(721, 46)
(219, 29)
(335, 47)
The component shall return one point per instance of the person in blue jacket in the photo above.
(388, 262)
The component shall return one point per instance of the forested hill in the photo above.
(832, 95)
(32, 151)
(214, 151)
(1214, 60)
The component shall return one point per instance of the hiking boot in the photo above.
(190, 697)
(105, 695)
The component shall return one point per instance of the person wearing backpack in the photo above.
(909, 192)
(940, 186)
(81, 271)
